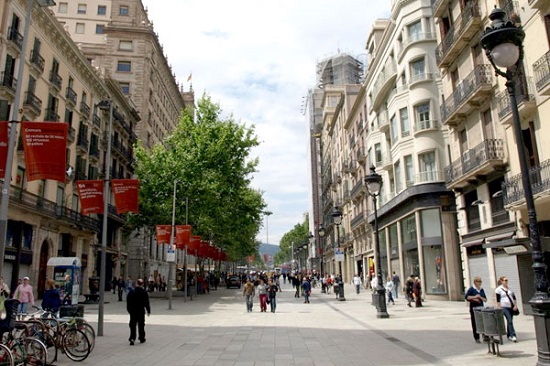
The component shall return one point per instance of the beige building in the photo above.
(118, 38)
(58, 84)
(484, 169)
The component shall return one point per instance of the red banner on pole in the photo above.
(90, 193)
(4, 138)
(194, 242)
(45, 144)
(125, 192)
(163, 233)
(183, 235)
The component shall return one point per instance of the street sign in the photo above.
(171, 254)
(339, 254)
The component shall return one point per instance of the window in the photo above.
(99, 28)
(405, 129)
(125, 88)
(394, 129)
(422, 112)
(101, 10)
(63, 8)
(398, 178)
(487, 124)
(409, 170)
(123, 10)
(124, 66)
(418, 70)
(81, 9)
(125, 46)
(79, 28)
(414, 31)
(378, 153)
(427, 166)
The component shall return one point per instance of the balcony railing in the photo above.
(430, 124)
(357, 188)
(71, 95)
(96, 120)
(474, 158)
(82, 142)
(357, 220)
(8, 81)
(512, 188)
(480, 79)
(522, 97)
(541, 69)
(33, 102)
(37, 61)
(51, 115)
(459, 34)
(511, 8)
(71, 134)
(85, 109)
(429, 177)
(50, 209)
(56, 80)
(15, 37)
(415, 38)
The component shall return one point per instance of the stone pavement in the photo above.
(215, 329)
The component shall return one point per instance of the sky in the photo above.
(257, 60)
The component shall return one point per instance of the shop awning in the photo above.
(64, 261)
(499, 237)
(472, 242)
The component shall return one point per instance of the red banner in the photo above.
(163, 233)
(194, 243)
(45, 144)
(90, 193)
(4, 138)
(183, 235)
(125, 192)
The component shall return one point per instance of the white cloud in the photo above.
(257, 59)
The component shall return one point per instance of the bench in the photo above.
(91, 298)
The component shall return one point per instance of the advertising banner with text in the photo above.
(125, 192)
(44, 145)
(163, 234)
(183, 235)
(3, 147)
(90, 193)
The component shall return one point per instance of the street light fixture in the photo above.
(503, 44)
(321, 231)
(374, 183)
(337, 219)
(13, 129)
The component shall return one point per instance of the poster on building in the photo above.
(339, 254)
(90, 193)
(3, 147)
(171, 254)
(44, 145)
(125, 192)
(163, 233)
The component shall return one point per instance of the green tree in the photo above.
(297, 236)
(209, 158)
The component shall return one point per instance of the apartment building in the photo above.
(483, 168)
(59, 85)
(118, 38)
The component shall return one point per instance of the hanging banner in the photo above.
(4, 138)
(125, 192)
(44, 145)
(90, 193)
(194, 243)
(183, 235)
(163, 234)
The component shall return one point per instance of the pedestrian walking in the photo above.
(137, 303)
(121, 285)
(328, 284)
(389, 290)
(506, 300)
(475, 297)
(409, 290)
(357, 283)
(396, 282)
(306, 288)
(248, 294)
(114, 283)
(272, 296)
(25, 295)
(52, 298)
(417, 290)
(296, 283)
(262, 294)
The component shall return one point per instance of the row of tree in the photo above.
(210, 159)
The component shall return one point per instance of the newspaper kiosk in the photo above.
(66, 274)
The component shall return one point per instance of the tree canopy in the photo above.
(297, 236)
(209, 159)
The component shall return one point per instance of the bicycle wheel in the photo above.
(75, 344)
(35, 352)
(6, 357)
(51, 347)
(90, 333)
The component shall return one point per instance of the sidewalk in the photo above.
(215, 329)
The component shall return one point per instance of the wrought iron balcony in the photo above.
(71, 96)
(475, 88)
(51, 115)
(15, 37)
(512, 188)
(71, 134)
(55, 81)
(33, 103)
(483, 159)
(96, 120)
(357, 220)
(85, 109)
(439, 6)
(526, 103)
(466, 26)
(37, 61)
(8, 83)
(541, 69)
(424, 126)
(82, 142)
(431, 176)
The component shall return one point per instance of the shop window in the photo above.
(434, 269)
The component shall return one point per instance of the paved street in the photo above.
(215, 329)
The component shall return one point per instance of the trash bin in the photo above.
(478, 316)
(493, 321)
(69, 311)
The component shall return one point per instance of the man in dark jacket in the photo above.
(137, 302)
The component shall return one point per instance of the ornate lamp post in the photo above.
(321, 231)
(503, 44)
(374, 182)
(337, 219)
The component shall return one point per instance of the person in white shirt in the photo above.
(506, 300)
(357, 283)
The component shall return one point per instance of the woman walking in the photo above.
(25, 295)
(506, 300)
(262, 292)
(417, 289)
(272, 294)
(409, 290)
(389, 290)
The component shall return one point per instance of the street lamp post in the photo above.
(503, 44)
(13, 128)
(321, 231)
(337, 219)
(374, 182)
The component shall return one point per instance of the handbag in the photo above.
(516, 311)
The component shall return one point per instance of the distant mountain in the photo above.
(269, 249)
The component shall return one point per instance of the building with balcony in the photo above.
(482, 165)
(59, 85)
(405, 140)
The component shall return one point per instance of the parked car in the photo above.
(233, 281)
